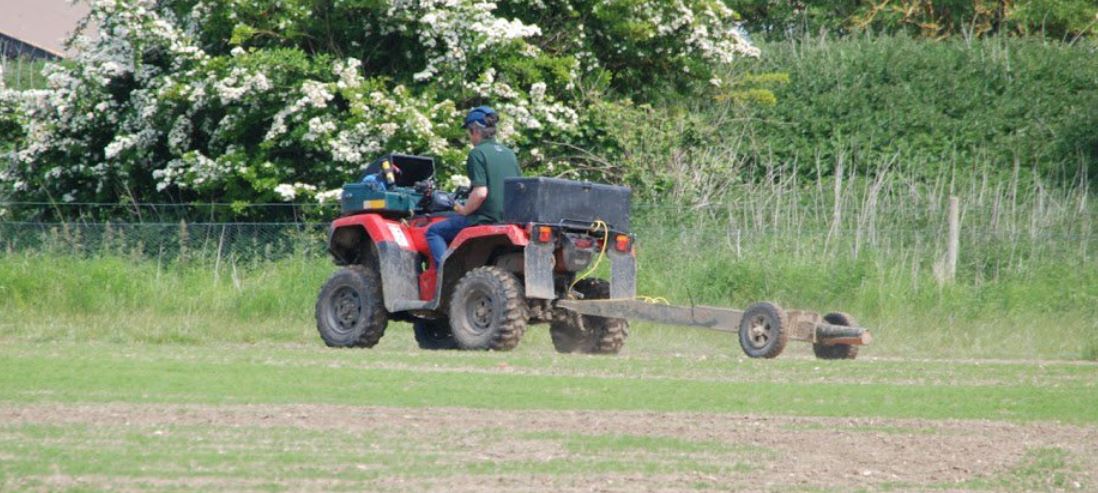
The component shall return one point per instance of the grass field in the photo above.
(124, 372)
(121, 370)
(146, 357)
(125, 366)
(676, 414)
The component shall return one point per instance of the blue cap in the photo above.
(476, 115)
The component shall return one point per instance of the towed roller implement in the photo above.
(763, 328)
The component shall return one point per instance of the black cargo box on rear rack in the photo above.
(565, 202)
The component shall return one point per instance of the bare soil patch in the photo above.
(489, 450)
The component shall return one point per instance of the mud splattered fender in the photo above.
(538, 269)
(623, 274)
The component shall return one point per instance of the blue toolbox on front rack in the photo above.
(387, 185)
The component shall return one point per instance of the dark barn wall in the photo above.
(13, 48)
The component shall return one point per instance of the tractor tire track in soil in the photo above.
(457, 449)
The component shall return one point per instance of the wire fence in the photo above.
(200, 209)
(257, 241)
(20, 71)
(167, 240)
(807, 227)
(128, 212)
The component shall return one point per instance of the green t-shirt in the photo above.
(488, 165)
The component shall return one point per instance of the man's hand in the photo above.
(476, 197)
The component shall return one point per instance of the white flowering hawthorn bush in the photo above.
(261, 100)
(10, 121)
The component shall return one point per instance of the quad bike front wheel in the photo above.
(763, 330)
(350, 311)
(589, 334)
(488, 310)
(434, 334)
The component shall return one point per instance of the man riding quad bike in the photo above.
(475, 275)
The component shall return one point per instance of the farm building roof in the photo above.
(41, 25)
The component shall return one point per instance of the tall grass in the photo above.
(123, 299)
(737, 224)
(1026, 286)
(1007, 226)
(21, 73)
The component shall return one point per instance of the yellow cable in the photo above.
(605, 240)
(602, 253)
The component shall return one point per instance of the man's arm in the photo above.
(477, 169)
(476, 197)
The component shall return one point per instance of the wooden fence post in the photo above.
(954, 237)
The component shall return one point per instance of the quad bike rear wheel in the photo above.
(434, 334)
(837, 351)
(488, 310)
(350, 311)
(588, 334)
(763, 331)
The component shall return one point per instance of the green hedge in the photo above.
(1063, 20)
(872, 99)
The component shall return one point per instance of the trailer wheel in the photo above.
(594, 335)
(488, 310)
(837, 351)
(434, 334)
(763, 330)
(349, 310)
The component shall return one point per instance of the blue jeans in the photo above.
(440, 234)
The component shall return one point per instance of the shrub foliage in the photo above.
(260, 100)
(264, 100)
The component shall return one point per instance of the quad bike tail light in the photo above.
(545, 234)
(622, 243)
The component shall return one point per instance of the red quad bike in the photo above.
(497, 279)
(494, 280)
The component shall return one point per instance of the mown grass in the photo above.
(242, 374)
(1044, 469)
(183, 452)
(595, 443)
(1041, 469)
(158, 457)
(120, 450)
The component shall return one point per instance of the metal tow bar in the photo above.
(763, 327)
